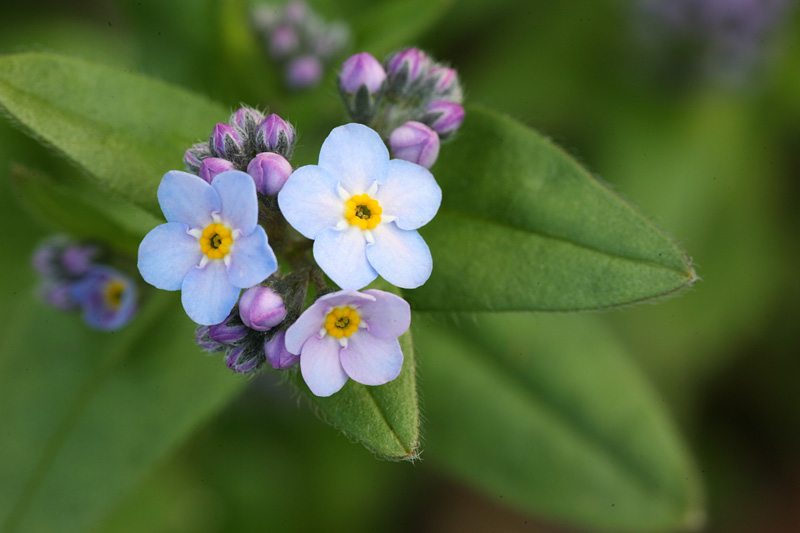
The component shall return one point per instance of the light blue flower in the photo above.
(363, 210)
(211, 246)
(350, 335)
(107, 296)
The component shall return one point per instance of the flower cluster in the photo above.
(299, 40)
(361, 209)
(411, 100)
(72, 280)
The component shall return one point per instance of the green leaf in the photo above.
(126, 130)
(65, 209)
(385, 418)
(386, 26)
(87, 413)
(524, 227)
(545, 412)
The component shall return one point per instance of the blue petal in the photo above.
(97, 312)
(252, 260)
(370, 360)
(355, 156)
(320, 366)
(166, 255)
(312, 321)
(237, 194)
(309, 201)
(342, 256)
(388, 316)
(207, 295)
(187, 198)
(401, 257)
(410, 193)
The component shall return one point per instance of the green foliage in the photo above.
(524, 227)
(126, 130)
(86, 411)
(383, 27)
(546, 412)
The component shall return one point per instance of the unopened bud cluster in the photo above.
(412, 101)
(254, 331)
(299, 40)
(73, 279)
(250, 141)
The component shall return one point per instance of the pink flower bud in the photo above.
(413, 60)
(269, 172)
(445, 117)
(211, 166)
(261, 308)
(225, 141)
(415, 142)
(275, 135)
(303, 72)
(277, 354)
(361, 69)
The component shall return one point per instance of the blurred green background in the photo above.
(705, 144)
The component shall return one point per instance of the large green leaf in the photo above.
(86, 413)
(125, 129)
(385, 419)
(546, 413)
(524, 227)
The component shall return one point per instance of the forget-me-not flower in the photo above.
(211, 246)
(363, 210)
(350, 334)
(107, 296)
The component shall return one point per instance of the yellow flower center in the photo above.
(342, 322)
(113, 293)
(216, 241)
(363, 211)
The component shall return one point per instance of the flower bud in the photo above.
(59, 295)
(194, 156)
(303, 72)
(210, 167)
(283, 42)
(277, 354)
(296, 12)
(241, 360)
(77, 259)
(275, 135)
(45, 258)
(229, 331)
(225, 141)
(444, 117)
(445, 83)
(202, 338)
(269, 172)
(261, 308)
(407, 65)
(415, 142)
(361, 70)
(246, 118)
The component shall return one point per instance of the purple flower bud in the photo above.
(76, 260)
(261, 308)
(283, 42)
(194, 156)
(246, 118)
(277, 354)
(331, 39)
(241, 361)
(230, 331)
(59, 295)
(361, 69)
(44, 259)
(295, 11)
(212, 166)
(415, 142)
(275, 135)
(445, 79)
(444, 117)
(202, 338)
(225, 141)
(269, 172)
(303, 72)
(413, 61)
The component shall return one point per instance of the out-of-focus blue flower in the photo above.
(363, 210)
(211, 246)
(109, 298)
(350, 334)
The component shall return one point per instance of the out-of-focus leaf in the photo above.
(85, 414)
(524, 227)
(63, 210)
(385, 26)
(126, 130)
(545, 412)
(385, 419)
